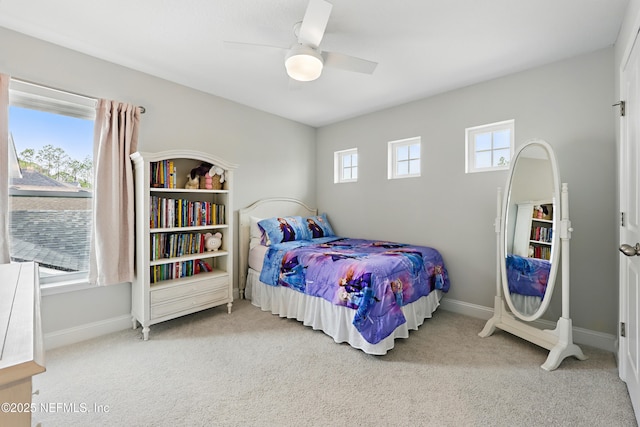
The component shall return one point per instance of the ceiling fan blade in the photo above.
(349, 63)
(252, 47)
(314, 22)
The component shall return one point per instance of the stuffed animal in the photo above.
(208, 181)
(212, 242)
(193, 179)
(217, 170)
(540, 211)
(213, 179)
(192, 183)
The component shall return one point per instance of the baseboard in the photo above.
(471, 310)
(580, 335)
(85, 332)
(92, 330)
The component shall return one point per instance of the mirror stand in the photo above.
(558, 341)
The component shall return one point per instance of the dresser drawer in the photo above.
(160, 296)
(189, 303)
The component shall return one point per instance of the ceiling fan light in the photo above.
(304, 64)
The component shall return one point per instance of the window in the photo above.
(404, 158)
(346, 166)
(489, 147)
(50, 174)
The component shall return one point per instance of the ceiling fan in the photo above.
(304, 60)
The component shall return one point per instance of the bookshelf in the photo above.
(175, 274)
(534, 230)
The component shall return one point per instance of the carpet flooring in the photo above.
(251, 368)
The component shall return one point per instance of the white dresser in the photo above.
(21, 345)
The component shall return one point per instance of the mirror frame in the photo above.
(555, 256)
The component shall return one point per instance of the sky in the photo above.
(35, 129)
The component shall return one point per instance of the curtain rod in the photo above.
(142, 109)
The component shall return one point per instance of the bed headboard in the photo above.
(263, 208)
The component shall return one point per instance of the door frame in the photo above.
(633, 42)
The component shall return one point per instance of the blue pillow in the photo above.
(318, 226)
(284, 229)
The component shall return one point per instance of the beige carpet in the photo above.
(252, 368)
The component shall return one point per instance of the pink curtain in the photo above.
(112, 243)
(4, 169)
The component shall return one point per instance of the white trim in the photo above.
(36, 97)
(469, 143)
(622, 141)
(465, 308)
(183, 154)
(338, 165)
(630, 42)
(64, 286)
(84, 332)
(583, 336)
(96, 329)
(392, 157)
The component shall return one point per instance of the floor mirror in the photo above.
(533, 234)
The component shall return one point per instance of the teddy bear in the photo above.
(212, 242)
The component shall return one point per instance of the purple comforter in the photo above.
(527, 276)
(372, 277)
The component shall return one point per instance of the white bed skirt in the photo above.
(527, 305)
(335, 321)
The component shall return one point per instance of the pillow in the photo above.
(255, 232)
(284, 229)
(253, 242)
(318, 226)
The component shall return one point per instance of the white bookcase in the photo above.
(533, 231)
(175, 275)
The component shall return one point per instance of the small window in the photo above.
(346, 166)
(489, 147)
(404, 158)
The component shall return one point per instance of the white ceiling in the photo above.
(423, 47)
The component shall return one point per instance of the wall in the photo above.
(567, 103)
(176, 117)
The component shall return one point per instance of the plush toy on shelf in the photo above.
(193, 179)
(208, 181)
(217, 170)
(214, 178)
(192, 183)
(212, 242)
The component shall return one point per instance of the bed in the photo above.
(370, 307)
(527, 279)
